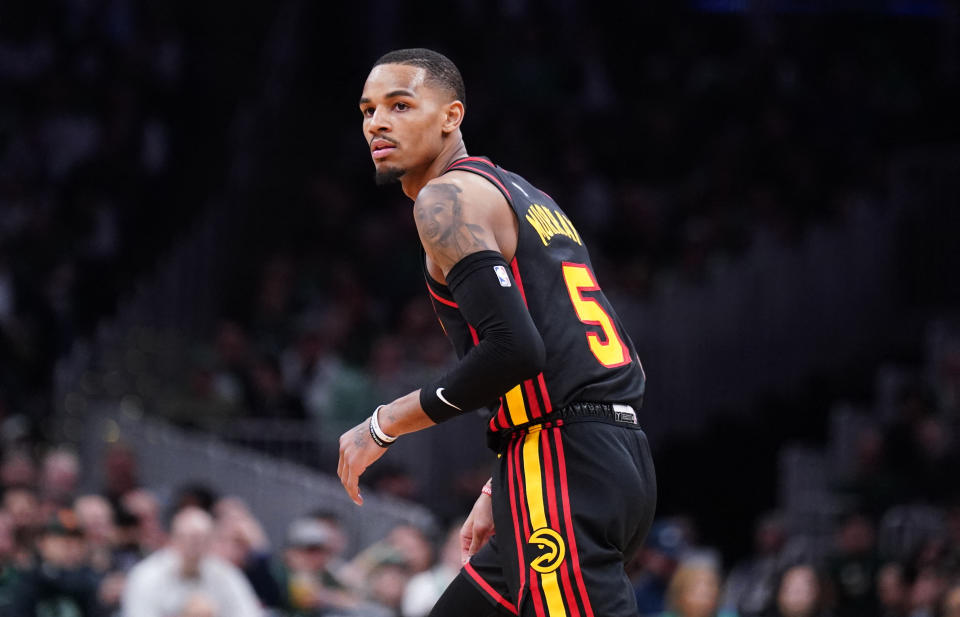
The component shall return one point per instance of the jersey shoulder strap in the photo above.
(482, 166)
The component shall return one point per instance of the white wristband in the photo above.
(375, 425)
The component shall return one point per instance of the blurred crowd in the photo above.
(860, 575)
(891, 547)
(124, 551)
(893, 551)
(87, 119)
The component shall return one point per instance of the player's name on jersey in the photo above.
(549, 223)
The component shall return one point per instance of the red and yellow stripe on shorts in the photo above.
(546, 546)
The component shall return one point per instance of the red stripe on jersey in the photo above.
(511, 468)
(498, 420)
(499, 599)
(473, 334)
(502, 416)
(478, 159)
(489, 176)
(443, 300)
(546, 397)
(571, 539)
(555, 520)
(532, 398)
(516, 277)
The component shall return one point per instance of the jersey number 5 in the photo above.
(609, 349)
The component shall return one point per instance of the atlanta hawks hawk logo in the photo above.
(553, 550)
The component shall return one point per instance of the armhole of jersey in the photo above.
(435, 287)
(491, 175)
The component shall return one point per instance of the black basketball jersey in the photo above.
(589, 356)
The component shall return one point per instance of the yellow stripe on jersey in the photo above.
(533, 485)
(518, 411)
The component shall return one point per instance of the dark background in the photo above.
(674, 134)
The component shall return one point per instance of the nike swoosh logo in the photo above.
(440, 396)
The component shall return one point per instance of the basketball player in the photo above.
(539, 346)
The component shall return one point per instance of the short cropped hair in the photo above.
(440, 69)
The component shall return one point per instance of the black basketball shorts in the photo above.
(572, 501)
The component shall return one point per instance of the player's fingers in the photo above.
(344, 473)
(351, 483)
(480, 537)
(343, 468)
(340, 462)
(475, 543)
(466, 540)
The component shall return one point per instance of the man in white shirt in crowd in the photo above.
(162, 584)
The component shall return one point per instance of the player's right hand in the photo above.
(357, 452)
(477, 529)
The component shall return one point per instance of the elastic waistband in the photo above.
(580, 411)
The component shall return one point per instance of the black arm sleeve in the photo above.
(510, 348)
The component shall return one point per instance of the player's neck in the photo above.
(412, 182)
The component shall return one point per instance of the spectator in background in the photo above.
(18, 470)
(128, 547)
(121, 475)
(751, 585)
(872, 486)
(307, 584)
(61, 582)
(381, 571)
(950, 607)
(800, 593)
(918, 446)
(239, 539)
(338, 535)
(425, 588)
(891, 591)
(658, 559)
(334, 393)
(415, 549)
(163, 583)
(926, 592)
(23, 507)
(59, 476)
(384, 587)
(394, 480)
(8, 571)
(267, 398)
(95, 518)
(853, 567)
(143, 507)
(405, 544)
(694, 591)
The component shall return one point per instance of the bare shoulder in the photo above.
(457, 214)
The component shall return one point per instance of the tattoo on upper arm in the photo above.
(439, 214)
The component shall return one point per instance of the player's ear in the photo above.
(453, 116)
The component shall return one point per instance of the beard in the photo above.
(388, 175)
